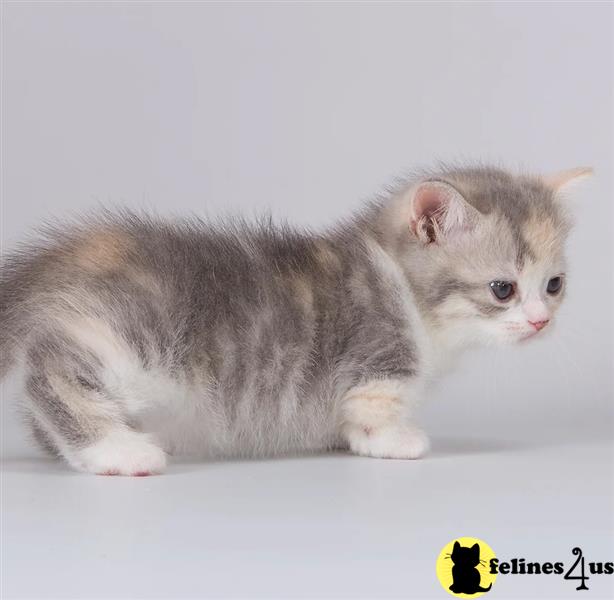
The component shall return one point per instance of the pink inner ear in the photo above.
(438, 211)
(428, 200)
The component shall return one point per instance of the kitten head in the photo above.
(493, 244)
(465, 556)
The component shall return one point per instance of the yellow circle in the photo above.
(464, 569)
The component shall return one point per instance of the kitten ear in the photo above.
(561, 180)
(438, 211)
(456, 546)
(475, 548)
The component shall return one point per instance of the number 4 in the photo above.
(582, 577)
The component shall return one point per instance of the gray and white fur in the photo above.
(142, 337)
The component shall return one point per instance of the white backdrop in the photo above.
(309, 109)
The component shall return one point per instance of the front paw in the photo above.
(403, 441)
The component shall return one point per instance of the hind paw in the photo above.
(121, 453)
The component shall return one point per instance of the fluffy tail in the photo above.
(9, 331)
(16, 291)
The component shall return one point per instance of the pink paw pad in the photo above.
(142, 474)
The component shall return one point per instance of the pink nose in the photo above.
(539, 324)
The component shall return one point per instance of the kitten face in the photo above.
(538, 291)
(496, 246)
(514, 285)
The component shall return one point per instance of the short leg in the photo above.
(121, 451)
(40, 435)
(80, 420)
(377, 420)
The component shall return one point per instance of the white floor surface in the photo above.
(317, 526)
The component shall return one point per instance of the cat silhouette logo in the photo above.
(462, 567)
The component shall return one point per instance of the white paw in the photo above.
(401, 441)
(121, 452)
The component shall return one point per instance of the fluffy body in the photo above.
(142, 337)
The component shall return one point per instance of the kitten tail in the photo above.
(14, 324)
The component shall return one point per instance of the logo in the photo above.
(578, 571)
(463, 567)
(467, 568)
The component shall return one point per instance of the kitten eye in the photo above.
(555, 285)
(503, 290)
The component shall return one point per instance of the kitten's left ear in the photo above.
(563, 179)
(438, 212)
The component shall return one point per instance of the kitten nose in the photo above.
(539, 324)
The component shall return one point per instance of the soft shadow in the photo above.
(441, 447)
(38, 465)
(446, 447)
(177, 465)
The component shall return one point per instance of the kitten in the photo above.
(143, 338)
(465, 575)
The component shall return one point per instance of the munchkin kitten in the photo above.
(142, 338)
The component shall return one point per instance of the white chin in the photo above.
(526, 336)
(510, 338)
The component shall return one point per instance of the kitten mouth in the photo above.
(520, 334)
(527, 335)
